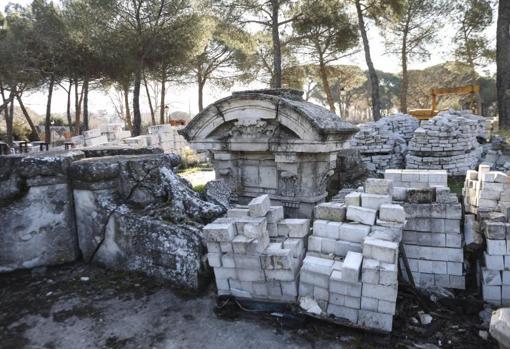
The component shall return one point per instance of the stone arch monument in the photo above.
(274, 142)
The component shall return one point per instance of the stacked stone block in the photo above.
(114, 132)
(383, 144)
(168, 138)
(247, 262)
(350, 269)
(447, 141)
(487, 197)
(93, 138)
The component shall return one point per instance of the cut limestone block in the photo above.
(361, 215)
(421, 195)
(378, 186)
(374, 201)
(353, 199)
(352, 266)
(392, 213)
(275, 214)
(294, 227)
(330, 211)
(259, 206)
(353, 232)
(495, 230)
(219, 232)
(237, 212)
(383, 251)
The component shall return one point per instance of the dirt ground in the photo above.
(80, 306)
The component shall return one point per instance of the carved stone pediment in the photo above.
(252, 128)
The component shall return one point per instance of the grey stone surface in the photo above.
(500, 327)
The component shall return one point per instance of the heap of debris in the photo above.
(383, 144)
(447, 141)
(350, 270)
(487, 195)
(496, 154)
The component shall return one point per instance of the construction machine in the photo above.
(425, 114)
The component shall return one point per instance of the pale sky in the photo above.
(185, 98)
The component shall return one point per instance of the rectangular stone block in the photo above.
(275, 214)
(375, 320)
(247, 262)
(280, 274)
(392, 213)
(353, 302)
(250, 274)
(333, 230)
(213, 247)
(289, 288)
(353, 199)
(330, 211)
(320, 294)
(315, 243)
(455, 268)
(320, 228)
(294, 227)
(388, 274)
(424, 239)
(371, 304)
(491, 294)
(383, 251)
(225, 273)
(491, 277)
(237, 212)
(259, 206)
(343, 247)
(386, 293)
(386, 307)
(338, 285)
(328, 246)
(296, 246)
(496, 247)
(374, 201)
(353, 232)
(361, 215)
(315, 279)
(495, 230)
(432, 267)
(351, 267)
(343, 312)
(219, 232)
(421, 195)
(252, 227)
(226, 247)
(370, 271)
(378, 186)
(494, 262)
(214, 259)
(222, 284)
(337, 299)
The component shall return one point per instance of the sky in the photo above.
(184, 98)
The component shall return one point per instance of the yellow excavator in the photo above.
(425, 114)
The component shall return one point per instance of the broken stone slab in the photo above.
(259, 206)
(500, 327)
(361, 215)
(219, 193)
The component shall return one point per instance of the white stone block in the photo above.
(247, 262)
(383, 251)
(386, 307)
(338, 285)
(495, 230)
(432, 267)
(320, 293)
(225, 273)
(343, 312)
(219, 232)
(275, 214)
(305, 290)
(289, 288)
(455, 268)
(237, 212)
(388, 274)
(254, 228)
(343, 247)
(227, 260)
(213, 247)
(505, 276)
(226, 247)
(353, 199)
(315, 243)
(250, 274)
(491, 293)
(330, 211)
(328, 246)
(333, 230)
(214, 259)
(386, 293)
(354, 232)
(259, 206)
(222, 284)
(361, 215)
(353, 302)
(494, 262)
(371, 304)
(375, 320)
(378, 186)
(351, 267)
(294, 227)
(399, 193)
(491, 277)
(280, 274)
(496, 247)
(295, 245)
(370, 271)
(320, 228)
(374, 201)
(337, 299)
(392, 213)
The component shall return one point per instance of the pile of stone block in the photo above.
(247, 262)
(93, 137)
(383, 144)
(432, 236)
(487, 197)
(168, 137)
(114, 132)
(350, 270)
(447, 141)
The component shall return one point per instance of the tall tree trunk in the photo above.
(47, 129)
(77, 109)
(8, 122)
(153, 118)
(162, 100)
(34, 135)
(201, 84)
(86, 103)
(503, 63)
(325, 83)
(277, 51)
(126, 104)
(405, 78)
(372, 74)
(68, 107)
(137, 116)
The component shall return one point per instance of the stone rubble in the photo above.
(350, 268)
(487, 195)
(383, 144)
(432, 236)
(496, 154)
(500, 327)
(447, 141)
(255, 252)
